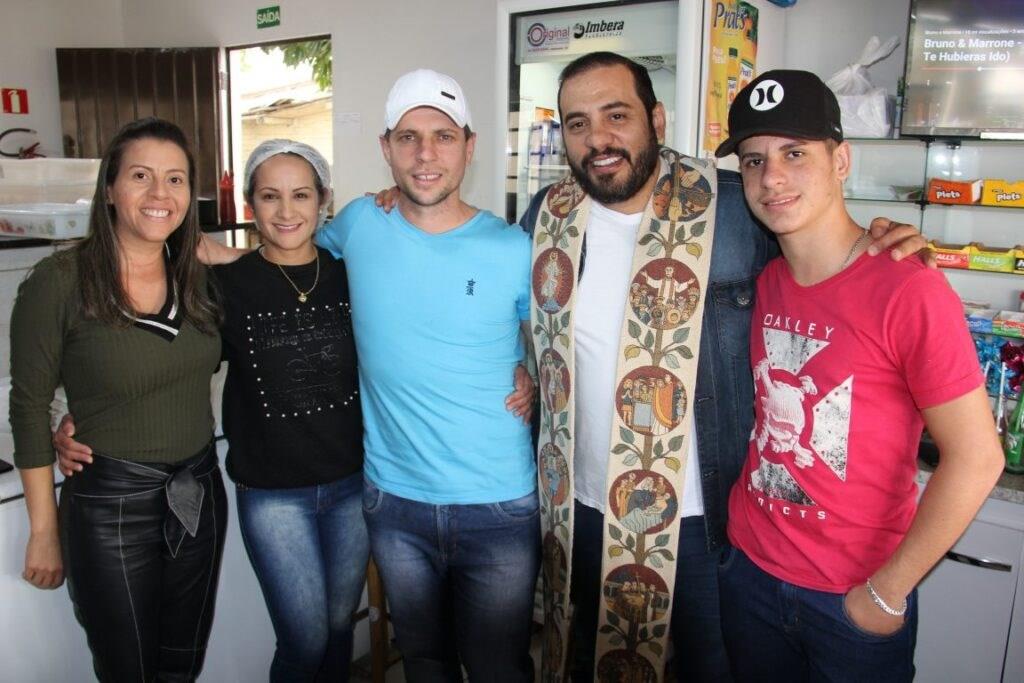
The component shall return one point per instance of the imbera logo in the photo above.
(598, 29)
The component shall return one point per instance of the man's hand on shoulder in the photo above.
(901, 239)
(210, 252)
(386, 199)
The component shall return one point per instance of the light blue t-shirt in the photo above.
(436, 320)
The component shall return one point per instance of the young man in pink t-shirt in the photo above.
(851, 357)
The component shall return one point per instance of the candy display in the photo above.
(943, 191)
(993, 259)
(1001, 420)
(977, 256)
(994, 352)
(991, 192)
(951, 255)
(998, 192)
(1013, 441)
(981, 319)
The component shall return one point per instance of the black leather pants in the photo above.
(142, 551)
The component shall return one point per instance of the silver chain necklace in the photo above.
(853, 250)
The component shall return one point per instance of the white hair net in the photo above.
(271, 148)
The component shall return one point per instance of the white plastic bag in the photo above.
(865, 108)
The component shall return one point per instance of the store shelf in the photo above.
(881, 200)
(972, 207)
(998, 334)
(981, 272)
(888, 141)
(924, 203)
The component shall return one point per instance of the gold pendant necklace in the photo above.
(303, 296)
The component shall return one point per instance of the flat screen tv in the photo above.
(965, 69)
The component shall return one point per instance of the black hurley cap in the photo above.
(783, 102)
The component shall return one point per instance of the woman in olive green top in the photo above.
(125, 323)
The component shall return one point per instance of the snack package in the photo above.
(942, 191)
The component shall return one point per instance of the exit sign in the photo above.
(268, 16)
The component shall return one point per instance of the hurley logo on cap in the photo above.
(784, 102)
(766, 95)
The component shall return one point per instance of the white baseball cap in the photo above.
(426, 88)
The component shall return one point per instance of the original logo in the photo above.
(767, 95)
(538, 34)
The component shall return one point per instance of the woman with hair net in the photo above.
(292, 416)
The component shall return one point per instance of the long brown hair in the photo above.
(99, 265)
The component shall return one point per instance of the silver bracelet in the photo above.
(877, 599)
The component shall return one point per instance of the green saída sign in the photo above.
(268, 16)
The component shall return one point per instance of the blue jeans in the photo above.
(775, 631)
(460, 582)
(309, 549)
(696, 628)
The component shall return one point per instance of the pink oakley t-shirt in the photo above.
(842, 370)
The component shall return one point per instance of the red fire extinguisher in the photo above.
(226, 198)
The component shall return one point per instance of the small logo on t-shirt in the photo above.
(470, 283)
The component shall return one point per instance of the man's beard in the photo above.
(606, 190)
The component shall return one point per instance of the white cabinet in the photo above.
(972, 604)
(40, 641)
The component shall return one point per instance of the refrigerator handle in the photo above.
(978, 562)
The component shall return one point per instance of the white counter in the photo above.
(40, 641)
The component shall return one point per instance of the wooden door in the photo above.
(101, 89)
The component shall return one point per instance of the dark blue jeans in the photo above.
(309, 549)
(775, 631)
(460, 582)
(696, 629)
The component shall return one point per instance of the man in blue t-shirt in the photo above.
(439, 292)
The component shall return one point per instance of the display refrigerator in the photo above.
(541, 45)
(699, 53)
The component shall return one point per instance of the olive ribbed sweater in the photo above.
(134, 395)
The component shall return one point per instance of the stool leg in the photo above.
(378, 623)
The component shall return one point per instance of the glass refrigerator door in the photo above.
(542, 44)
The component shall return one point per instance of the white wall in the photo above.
(31, 31)
(823, 36)
(456, 36)
(374, 42)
